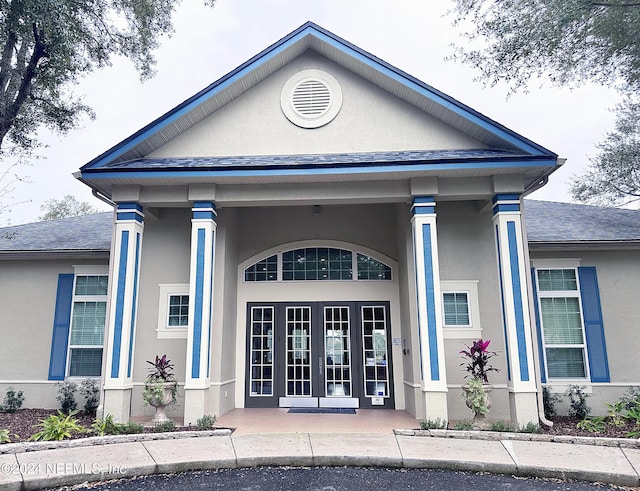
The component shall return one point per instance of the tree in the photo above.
(46, 46)
(613, 176)
(66, 207)
(567, 42)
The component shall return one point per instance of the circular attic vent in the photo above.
(311, 98)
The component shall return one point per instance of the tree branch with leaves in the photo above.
(566, 43)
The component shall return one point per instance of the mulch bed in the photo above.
(23, 423)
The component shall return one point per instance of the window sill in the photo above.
(171, 333)
(462, 332)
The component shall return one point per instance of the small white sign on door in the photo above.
(377, 401)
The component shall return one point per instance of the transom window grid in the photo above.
(317, 263)
(262, 324)
(298, 379)
(563, 337)
(337, 352)
(456, 309)
(178, 313)
(86, 337)
(375, 350)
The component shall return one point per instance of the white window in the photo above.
(89, 310)
(456, 309)
(563, 336)
(173, 311)
(460, 309)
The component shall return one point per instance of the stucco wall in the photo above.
(28, 292)
(618, 274)
(370, 120)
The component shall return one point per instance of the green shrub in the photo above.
(631, 397)
(614, 413)
(578, 401)
(90, 391)
(501, 426)
(463, 426)
(12, 401)
(165, 426)
(106, 426)
(531, 427)
(130, 428)
(550, 402)
(207, 422)
(67, 396)
(436, 424)
(595, 424)
(5, 437)
(58, 427)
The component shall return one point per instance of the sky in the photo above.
(415, 36)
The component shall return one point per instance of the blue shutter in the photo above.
(593, 325)
(61, 326)
(536, 310)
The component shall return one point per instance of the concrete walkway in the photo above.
(93, 459)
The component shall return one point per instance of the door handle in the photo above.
(320, 365)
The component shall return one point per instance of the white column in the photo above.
(512, 270)
(432, 362)
(123, 301)
(197, 380)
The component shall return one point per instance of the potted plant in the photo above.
(477, 391)
(160, 387)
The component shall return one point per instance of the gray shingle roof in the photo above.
(564, 222)
(547, 222)
(341, 159)
(83, 233)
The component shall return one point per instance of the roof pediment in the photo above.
(134, 150)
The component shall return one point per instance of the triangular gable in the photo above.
(364, 64)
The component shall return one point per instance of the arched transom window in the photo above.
(317, 263)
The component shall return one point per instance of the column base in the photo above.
(524, 408)
(117, 403)
(196, 405)
(435, 406)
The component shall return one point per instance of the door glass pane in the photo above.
(298, 376)
(374, 334)
(261, 351)
(337, 352)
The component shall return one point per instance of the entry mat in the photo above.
(322, 410)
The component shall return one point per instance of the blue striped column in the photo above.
(123, 302)
(425, 243)
(203, 236)
(516, 318)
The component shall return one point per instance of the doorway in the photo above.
(319, 354)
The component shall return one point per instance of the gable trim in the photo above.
(304, 34)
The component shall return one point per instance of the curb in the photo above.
(525, 437)
(22, 447)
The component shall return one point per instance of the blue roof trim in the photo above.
(311, 29)
(288, 171)
(434, 94)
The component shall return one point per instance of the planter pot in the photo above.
(161, 401)
(479, 418)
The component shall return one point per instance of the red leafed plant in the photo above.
(477, 358)
(162, 370)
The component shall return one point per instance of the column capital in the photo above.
(423, 205)
(506, 203)
(130, 211)
(204, 210)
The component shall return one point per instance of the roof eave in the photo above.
(584, 245)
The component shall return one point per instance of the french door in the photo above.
(319, 354)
